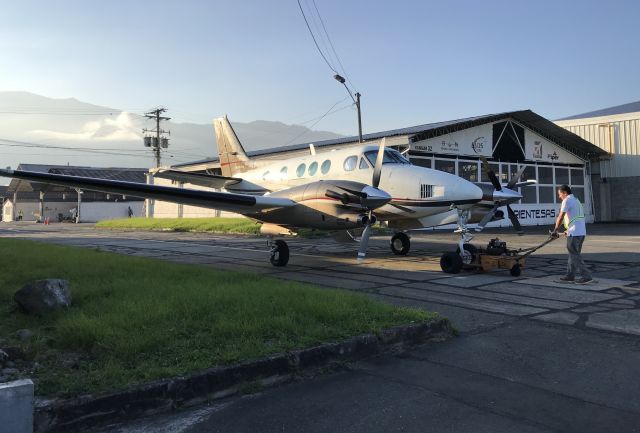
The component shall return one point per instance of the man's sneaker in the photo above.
(584, 280)
(566, 279)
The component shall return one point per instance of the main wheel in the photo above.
(400, 244)
(469, 255)
(280, 253)
(515, 270)
(451, 263)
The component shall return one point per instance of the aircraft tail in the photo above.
(233, 158)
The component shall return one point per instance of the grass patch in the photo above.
(211, 225)
(205, 225)
(135, 319)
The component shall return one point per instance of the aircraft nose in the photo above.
(374, 197)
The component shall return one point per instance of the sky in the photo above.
(414, 62)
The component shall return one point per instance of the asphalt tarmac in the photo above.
(533, 355)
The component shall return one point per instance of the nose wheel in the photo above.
(279, 253)
(400, 244)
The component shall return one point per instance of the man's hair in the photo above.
(565, 188)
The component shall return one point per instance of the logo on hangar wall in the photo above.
(537, 150)
(478, 144)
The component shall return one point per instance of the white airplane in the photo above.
(337, 191)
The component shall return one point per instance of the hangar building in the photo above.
(551, 154)
(616, 181)
(36, 201)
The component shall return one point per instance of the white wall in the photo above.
(100, 210)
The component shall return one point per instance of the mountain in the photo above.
(42, 130)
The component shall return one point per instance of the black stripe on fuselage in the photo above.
(432, 203)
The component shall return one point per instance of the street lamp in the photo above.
(340, 79)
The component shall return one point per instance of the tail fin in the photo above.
(233, 158)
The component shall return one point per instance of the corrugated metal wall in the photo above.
(620, 136)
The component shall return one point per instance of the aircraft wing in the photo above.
(239, 203)
(208, 180)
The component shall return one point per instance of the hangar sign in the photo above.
(476, 141)
(538, 148)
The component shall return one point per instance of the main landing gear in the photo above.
(279, 252)
(400, 244)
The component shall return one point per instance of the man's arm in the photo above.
(559, 221)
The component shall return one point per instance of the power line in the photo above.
(314, 39)
(331, 44)
(318, 121)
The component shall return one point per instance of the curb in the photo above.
(64, 415)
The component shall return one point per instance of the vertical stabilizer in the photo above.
(233, 158)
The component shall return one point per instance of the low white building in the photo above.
(32, 201)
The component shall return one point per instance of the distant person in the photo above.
(20, 215)
(572, 217)
(129, 211)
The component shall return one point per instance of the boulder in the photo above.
(24, 334)
(42, 296)
(4, 357)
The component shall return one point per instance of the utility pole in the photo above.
(340, 79)
(157, 142)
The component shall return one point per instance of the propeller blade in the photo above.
(490, 174)
(516, 177)
(514, 220)
(364, 242)
(353, 191)
(377, 169)
(488, 217)
(344, 198)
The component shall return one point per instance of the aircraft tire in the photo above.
(470, 254)
(400, 244)
(280, 253)
(515, 270)
(451, 263)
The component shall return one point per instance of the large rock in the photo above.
(42, 296)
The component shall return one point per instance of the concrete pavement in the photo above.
(533, 355)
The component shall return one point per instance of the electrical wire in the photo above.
(314, 38)
(318, 121)
(331, 44)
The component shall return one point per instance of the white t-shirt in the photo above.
(574, 216)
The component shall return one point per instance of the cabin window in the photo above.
(265, 175)
(313, 168)
(300, 170)
(363, 164)
(283, 173)
(350, 163)
(324, 168)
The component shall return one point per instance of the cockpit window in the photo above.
(390, 157)
(350, 163)
(363, 164)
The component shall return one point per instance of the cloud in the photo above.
(121, 128)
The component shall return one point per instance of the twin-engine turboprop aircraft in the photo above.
(336, 191)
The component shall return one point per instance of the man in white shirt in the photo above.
(572, 217)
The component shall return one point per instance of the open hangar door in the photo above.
(508, 145)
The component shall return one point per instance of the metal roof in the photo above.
(528, 118)
(632, 107)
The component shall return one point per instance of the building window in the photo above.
(421, 162)
(468, 170)
(324, 168)
(492, 166)
(545, 176)
(529, 194)
(446, 165)
(547, 193)
(350, 163)
(577, 176)
(313, 168)
(562, 176)
(300, 170)
(578, 192)
(363, 164)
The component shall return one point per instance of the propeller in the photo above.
(377, 172)
(505, 195)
